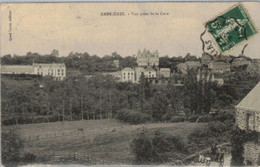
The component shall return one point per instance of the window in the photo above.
(58, 73)
(58, 70)
(250, 122)
(62, 73)
(124, 73)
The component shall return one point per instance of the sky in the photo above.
(79, 27)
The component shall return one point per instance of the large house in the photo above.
(147, 58)
(248, 119)
(57, 71)
(128, 75)
(16, 69)
(133, 75)
(184, 67)
(219, 67)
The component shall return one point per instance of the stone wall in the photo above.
(252, 151)
(241, 119)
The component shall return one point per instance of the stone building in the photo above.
(16, 69)
(248, 119)
(147, 58)
(219, 67)
(57, 71)
(128, 75)
(165, 72)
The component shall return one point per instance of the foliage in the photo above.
(205, 118)
(238, 138)
(133, 117)
(11, 146)
(29, 158)
(215, 133)
(177, 119)
(157, 147)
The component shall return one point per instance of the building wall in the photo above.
(55, 70)
(128, 76)
(146, 58)
(252, 152)
(251, 149)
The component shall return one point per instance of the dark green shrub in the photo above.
(178, 119)
(11, 146)
(166, 117)
(217, 127)
(193, 118)
(205, 118)
(133, 117)
(29, 157)
(158, 147)
(142, 148)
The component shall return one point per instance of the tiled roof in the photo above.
(127, 69)
(193, 63)
(252, 100)
(48, 65)
(17, 69)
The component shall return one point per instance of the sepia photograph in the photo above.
(130, 84)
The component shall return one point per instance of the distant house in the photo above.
(147, 58)
(16, 69)
(128, 75)
(149, 72)
(57, 71)
(248, 119)
(240, 62)
(165, 72)
(117, 75)
(116, 63)
(184, 67)
(219, 67)
(193, 64)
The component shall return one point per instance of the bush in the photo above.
(193, 118)
(29, 157)
(217, 127)
(178, 119)
(166, 117)
(12, 145)
(205, 118)
(158, 147)
(133, 117)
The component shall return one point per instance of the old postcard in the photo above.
(130, 83)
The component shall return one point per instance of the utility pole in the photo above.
(63, 111)
(82, 107)
(70, 110)
(100, 104)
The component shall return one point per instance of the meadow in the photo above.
(105, 141)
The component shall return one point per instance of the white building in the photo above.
(128, 75)
(147, 58)
(165, 72)
(58, 71)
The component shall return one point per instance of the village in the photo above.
(190, 94)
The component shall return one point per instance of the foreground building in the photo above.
(248, 119)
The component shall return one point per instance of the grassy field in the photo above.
(108, 141)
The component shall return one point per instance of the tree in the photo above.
(12, 146)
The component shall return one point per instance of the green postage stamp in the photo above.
(231, 28)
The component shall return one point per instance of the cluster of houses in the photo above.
(57, 71)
